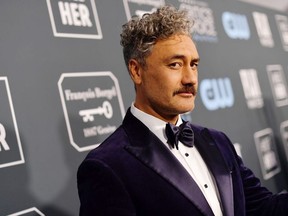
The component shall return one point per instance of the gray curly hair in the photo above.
(140, 34)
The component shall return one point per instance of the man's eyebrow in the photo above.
(183, 57)
(177, 56)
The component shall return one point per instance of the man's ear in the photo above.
(135, 71)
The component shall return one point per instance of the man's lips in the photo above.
(186, 92)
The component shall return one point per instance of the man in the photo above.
(139, 170)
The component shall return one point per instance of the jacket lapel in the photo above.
(209, 150)
(146, 147)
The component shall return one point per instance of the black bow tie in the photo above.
(183, 133)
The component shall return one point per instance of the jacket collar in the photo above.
(151, 151)
(214, 159)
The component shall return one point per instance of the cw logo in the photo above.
(236, 25)
(216, 93)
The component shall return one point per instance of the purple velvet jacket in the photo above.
(133, 173)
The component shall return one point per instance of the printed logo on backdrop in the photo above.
(217, 93)
(28, 212)
(236, 25)
(92, 105)
(74, 19)
(251, 88)
(238, 148)
(284, 135)
(263, 29)
(267, 154)
(11, 153)
(282, 23)
(140, 7)
(278, 84)
(202, 14)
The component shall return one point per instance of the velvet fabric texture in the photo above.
(133, 173)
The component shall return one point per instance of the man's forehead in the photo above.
(178, 46)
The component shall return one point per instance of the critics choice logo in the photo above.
(263, 29)
(217, 93)
(251, 88)
(284, 135)
(282, 23)
(93, 107)
(140, 7)
(267, 154)
(74, 18)
(10, 146)
(201, 13)
(278, 84)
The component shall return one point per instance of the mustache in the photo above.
(186, 89)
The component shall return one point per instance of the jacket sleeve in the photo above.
(258, 199)
(101, 192)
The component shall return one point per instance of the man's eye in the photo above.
(175, 65)
(194, 65)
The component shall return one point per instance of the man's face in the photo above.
(167, 86)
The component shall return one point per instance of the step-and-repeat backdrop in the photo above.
(64, 88)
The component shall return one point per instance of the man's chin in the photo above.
(188, 107)
(187, 110)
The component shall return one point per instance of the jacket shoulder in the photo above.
(116, 141)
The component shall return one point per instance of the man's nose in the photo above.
(189, 76)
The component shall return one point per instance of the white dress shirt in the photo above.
(189, 157)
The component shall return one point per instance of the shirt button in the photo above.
(205, 185)
(186, 154)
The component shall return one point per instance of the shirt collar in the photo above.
(156, 125)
